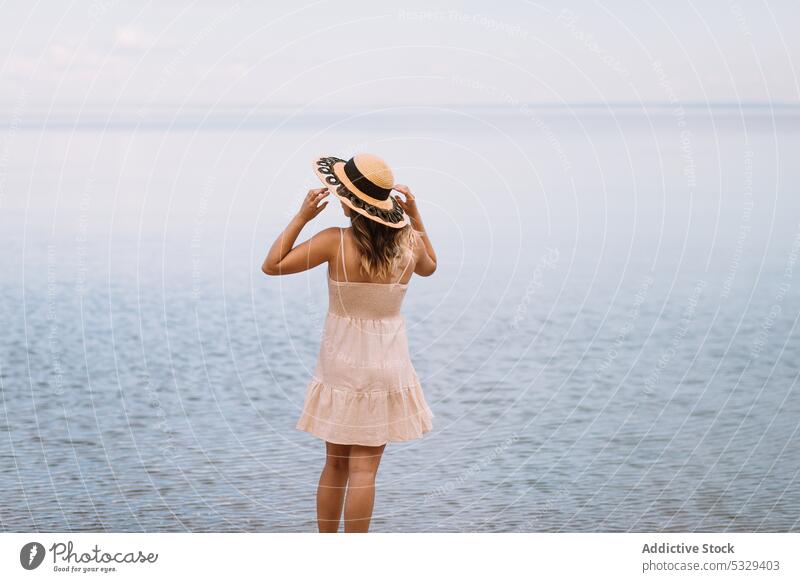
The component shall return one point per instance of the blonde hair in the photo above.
(381, 248)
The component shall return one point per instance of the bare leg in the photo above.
(363, 466)
(332, 483)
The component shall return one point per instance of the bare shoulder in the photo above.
(327, 240)
(330, 233)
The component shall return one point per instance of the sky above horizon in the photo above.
(362, 54)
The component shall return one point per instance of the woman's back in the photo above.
(360, 298)
(347, 265)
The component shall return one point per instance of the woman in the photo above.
(365, 392)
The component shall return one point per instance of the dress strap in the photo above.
(341, 249)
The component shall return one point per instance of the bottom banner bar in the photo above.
(621, 556)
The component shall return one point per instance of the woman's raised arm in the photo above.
(284, 258)
(426, 261)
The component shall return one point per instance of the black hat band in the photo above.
(361, 182)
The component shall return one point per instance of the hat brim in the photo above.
(330, 170)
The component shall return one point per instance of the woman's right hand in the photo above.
(311, 206)
(409, 205)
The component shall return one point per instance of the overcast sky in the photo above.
(355, 54)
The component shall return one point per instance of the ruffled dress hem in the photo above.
(347, 417)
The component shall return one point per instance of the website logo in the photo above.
(31, 555)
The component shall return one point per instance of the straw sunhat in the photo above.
(364, 183)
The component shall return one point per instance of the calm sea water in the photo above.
(610, 342)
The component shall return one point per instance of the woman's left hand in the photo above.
(311, 204)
